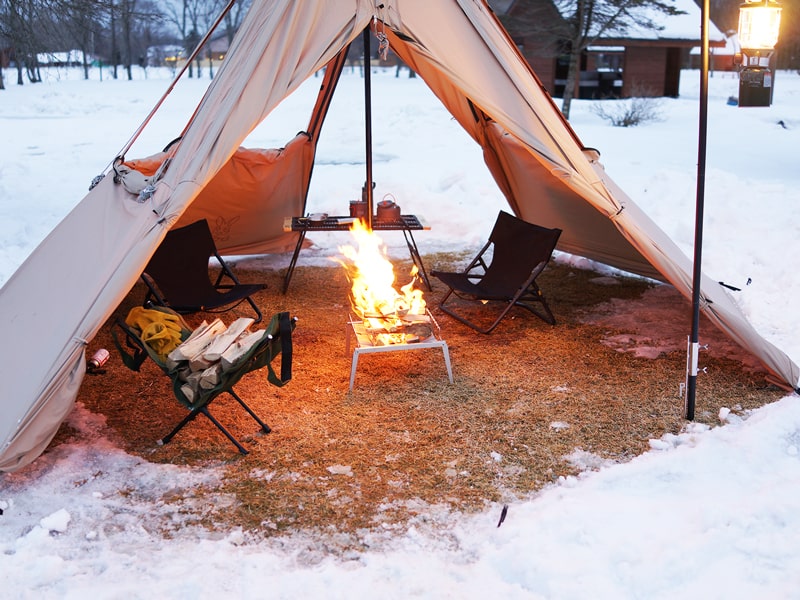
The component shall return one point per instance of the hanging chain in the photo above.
(383, 40)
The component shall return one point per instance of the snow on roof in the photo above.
(676, 27)
(731, 47)
(606, 48)
(683, 27)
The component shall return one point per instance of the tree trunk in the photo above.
(573, 79)
(85, 66)
(114, 51)
(126, 28)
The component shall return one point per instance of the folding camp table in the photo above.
(406, 224)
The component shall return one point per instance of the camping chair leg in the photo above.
(225, 271)
(191, 416)
(259, 316)
(548, 316)
(534, 294)
(469, 323)
(227, 433)
(264, 427)
(186, 420)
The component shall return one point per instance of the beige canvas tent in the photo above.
(95, 255)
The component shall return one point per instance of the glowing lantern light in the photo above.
(759, 26)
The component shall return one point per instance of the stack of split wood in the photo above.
(210, 351)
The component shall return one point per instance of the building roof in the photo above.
(675, 27)
(683, 28)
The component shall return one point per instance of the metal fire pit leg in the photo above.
(447, 361)
(353, 369)
(364, 343)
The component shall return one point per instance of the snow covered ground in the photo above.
(709, 513)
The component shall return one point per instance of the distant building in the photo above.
(173, 55)
(644, 62)
(69, 58)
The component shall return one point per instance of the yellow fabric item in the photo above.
(161, 331)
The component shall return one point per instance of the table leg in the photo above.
(292, 263)
(416, 258)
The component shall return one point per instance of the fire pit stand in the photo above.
(368, 340)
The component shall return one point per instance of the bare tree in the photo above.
(18, 25)
(193, 18)
(82, 21)
(233, 18)
(135, 19)
(30, 27)
(589, 20)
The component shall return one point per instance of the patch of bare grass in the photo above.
(405, 439)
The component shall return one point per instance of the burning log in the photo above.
(373, 293)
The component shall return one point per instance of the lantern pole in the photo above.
(693, 348)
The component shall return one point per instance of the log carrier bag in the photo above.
(276, 341)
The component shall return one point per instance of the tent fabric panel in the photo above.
(265, 48)
(41, 423)
(498, 81)
(88, 263)
(279, 45)
(716, 302)
(247, 200)
(540, 197)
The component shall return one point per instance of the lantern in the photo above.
(759, 26)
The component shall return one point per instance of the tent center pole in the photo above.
(368, 126)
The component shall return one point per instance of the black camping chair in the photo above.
(276, 341)
(519, 253)
(177, 275)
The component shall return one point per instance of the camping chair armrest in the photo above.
(133, 360)
(152, 292)
(472, 271)
(478, 262)
(225, 271)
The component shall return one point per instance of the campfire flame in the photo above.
(373, 295)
